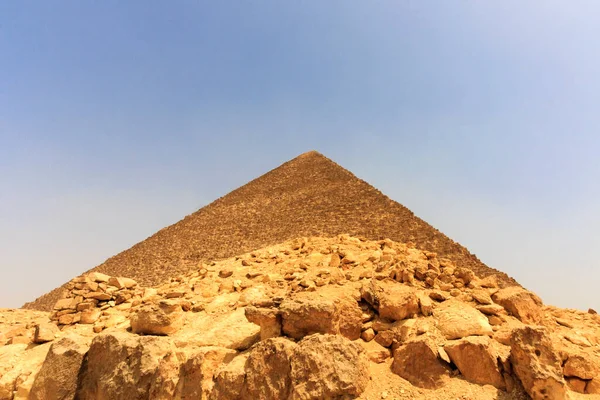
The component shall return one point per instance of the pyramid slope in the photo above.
(307, 196)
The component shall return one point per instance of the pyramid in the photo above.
(307, 196)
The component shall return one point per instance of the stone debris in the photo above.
(45, 332)
(164, 318)
(57, 378)
(418, 362)
(328, 367)
(89, 299)
(521, 303)
(477, 360)
(456, 320)
(537, 364)
(338, 317)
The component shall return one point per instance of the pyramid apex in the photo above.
(310, 153)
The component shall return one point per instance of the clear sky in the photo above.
(119, 118)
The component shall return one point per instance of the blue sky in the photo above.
(118, 118)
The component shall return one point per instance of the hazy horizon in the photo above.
(117, 120)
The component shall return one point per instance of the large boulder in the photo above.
(457, 320)
(396, 333)
(307, 313)
(477, 360)
(268, 370)
(536, 363)
(164, 318)
(304, 316)
(229, 379)
(19, 364)
(166, 377)
(231, 330)
(197, 372)
(582, 365)
(328, 366)
(375, 352)
(393, 300)
(350, 317)
(57, 379)
(593, 386)
(418, 362)
(120, 365)
(268, 319)
(121, 282)
(521, 303)
(45, 332)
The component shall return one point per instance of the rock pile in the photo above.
(90, 299)
(310, 318)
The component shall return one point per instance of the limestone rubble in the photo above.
(310, 318)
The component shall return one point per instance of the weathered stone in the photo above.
(165, 378)
(491, 309)
(334, 261)
(69, 319)
(229, 379)
(175, 294)
(20, 339)
(328, 366)
(536, 364)
(100, 296)
(232, 331)
(577, 339)
(457, 320)
(403, 331)
(417, 361)
(476, 360)
(197, 372)
(375, 352)
(57, 379)
(393, 300)
(521, 303)
(349, 316)
(268, 370)
(45, 332)
(481, 296)
(425, 304)
(576, 384)
(385, 338)
(164, 318)
(86, 305)
(19, 364)
(304, 315)
(256, 296)
(495, 320)
(225, 273)
(368, 334)
(90, 316)
(120, 365)
(466, 275)
(582, 365)
(268, 319)
(65, 304)
(438, 296)
(121, 282)
(490, 281)
(98, 277)
(564, 322)
(593, 386)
